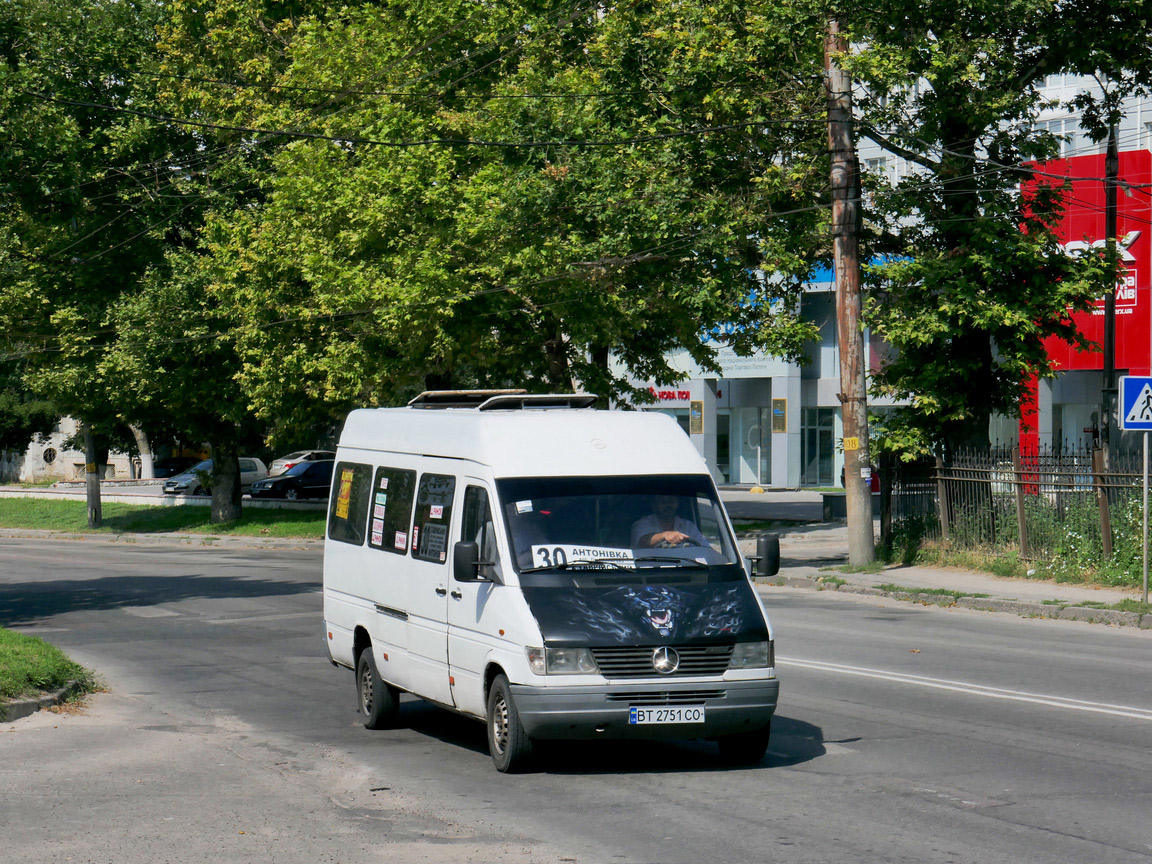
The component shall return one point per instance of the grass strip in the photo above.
(29, 665)
(44, 514)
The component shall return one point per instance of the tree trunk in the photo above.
(92, 479)
(226, 489)
(559, 370)
(600, 355)
(147, 472)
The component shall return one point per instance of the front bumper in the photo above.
(602, 711)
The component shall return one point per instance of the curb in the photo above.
(20, 708)
(1022, 608)
(219, 541)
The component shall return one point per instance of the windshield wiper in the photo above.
(564, 565)
(669, 559)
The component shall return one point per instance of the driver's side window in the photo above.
(477, 522)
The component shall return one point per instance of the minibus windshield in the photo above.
(615, 523)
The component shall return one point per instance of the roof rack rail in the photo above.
(458, 398)
(539, 400)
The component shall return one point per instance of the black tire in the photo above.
(199, 490)
(291, 495)
(508, 743)
(379, 701)
(745, 748)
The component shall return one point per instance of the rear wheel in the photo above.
(379, 701)
(509, 744)
(745, 748)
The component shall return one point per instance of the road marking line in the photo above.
(974, 689)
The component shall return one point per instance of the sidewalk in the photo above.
(808, 554)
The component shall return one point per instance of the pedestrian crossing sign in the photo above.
(1136, 402)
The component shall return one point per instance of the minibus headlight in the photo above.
(751, 655)
(569, 661)
(561, 661)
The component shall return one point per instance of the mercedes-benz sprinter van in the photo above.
(556, 571)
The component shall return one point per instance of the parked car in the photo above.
(192, 481)
(172, 466)
(302, 480)
(279, 466)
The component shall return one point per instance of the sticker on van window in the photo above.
(400, 541)
(377, 539)
(415, 536)
(345, 497)
(381, 498)
(383, 482)
(582, 557)
(436, 511)
(378, 512)
(377, 526)
(523, 506)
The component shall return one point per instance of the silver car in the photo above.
(279, 466)
(195, 482)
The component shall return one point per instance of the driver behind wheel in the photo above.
(664, 527)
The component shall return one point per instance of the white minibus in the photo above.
(556, 571)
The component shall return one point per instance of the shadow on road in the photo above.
(24, 602)
(793, 743)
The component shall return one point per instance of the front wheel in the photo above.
(745, 748)
(291, 495)
(508, 743)
(379, 701)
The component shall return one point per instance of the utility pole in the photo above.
(1111, 176)
(846, 252)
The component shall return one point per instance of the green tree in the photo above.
(973, 281)
(607, 222)
(85, 200)
(97, 190)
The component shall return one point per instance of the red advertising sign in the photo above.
(1083, 229)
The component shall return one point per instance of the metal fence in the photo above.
(1036, 502)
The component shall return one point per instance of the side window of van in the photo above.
(391, 506)
(477, 523)
(433, 516)
(348, 510)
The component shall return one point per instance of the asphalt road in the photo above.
(905, 734)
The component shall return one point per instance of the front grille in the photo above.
(637, 662)
(683, 697)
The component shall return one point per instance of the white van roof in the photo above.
(531, 442)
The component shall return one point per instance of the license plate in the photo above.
(680, 714)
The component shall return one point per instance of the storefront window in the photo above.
(724, 445)
(765, 446)
(818, 446)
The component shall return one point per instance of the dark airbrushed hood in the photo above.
(715, 612)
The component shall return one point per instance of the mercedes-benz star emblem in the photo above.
(665, 660)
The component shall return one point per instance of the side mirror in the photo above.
(766, 561)
(466, 562)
